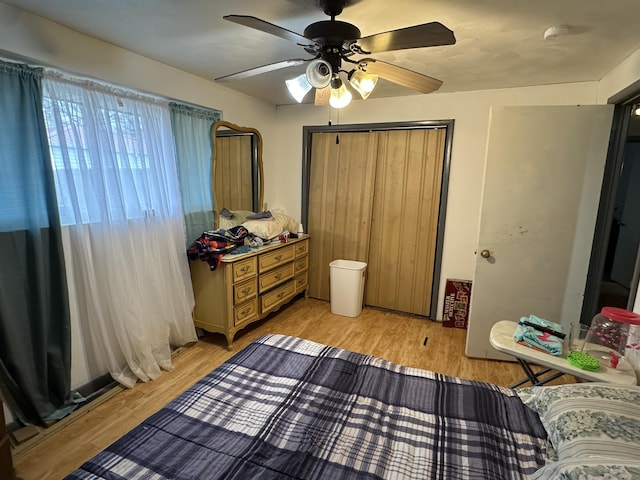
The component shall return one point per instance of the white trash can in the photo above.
(346, 279)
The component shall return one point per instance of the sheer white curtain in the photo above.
(118, 196)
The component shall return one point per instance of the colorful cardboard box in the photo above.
(457, 297)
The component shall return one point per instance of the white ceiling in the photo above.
(499, 42)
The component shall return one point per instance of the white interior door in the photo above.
(543, 174)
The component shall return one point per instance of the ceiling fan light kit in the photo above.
(332, 44)
(319, 75)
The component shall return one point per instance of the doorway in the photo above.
(624, 238)
(613, 269)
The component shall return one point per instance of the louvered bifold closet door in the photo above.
(405, 219)
(341, 187)
(233, 176)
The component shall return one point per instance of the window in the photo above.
(107, 154)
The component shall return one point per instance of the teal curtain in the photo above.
(192, 131)
(35, 337)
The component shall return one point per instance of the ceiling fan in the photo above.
(333, 43)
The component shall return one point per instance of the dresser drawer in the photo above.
(271, 260)
(275, 277)
(302, 248)
(301, 264)
(275, 298)
(244, 269)
(246, 312)
(245, 290)
(301, 282)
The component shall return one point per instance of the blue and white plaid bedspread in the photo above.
(293, 409)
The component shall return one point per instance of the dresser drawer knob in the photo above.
(245, 268)
(278, 258)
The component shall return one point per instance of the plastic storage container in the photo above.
(346, 278)
(608, 335)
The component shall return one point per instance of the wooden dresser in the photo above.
(246, 287)
(6, 465)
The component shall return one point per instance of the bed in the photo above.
(288, 408)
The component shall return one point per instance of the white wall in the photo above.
(622, 81)
(470, 110)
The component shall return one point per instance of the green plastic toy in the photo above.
(584, 361)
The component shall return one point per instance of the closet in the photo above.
(376, 196)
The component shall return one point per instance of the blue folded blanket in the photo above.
(535, 338)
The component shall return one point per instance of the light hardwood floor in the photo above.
(394, 336)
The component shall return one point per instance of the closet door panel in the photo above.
(340, 202)
(405, 219)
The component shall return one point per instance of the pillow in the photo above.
(269, 228)
(586, 468)
(288, 223)
(589, 419)
(266, 228)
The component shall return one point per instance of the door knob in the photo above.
(485, 253)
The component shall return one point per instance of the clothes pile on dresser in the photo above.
(212, 245)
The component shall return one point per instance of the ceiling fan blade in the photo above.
(425, 35)
(322, 96)
(401, 76)
(267, 27)
(263, 69)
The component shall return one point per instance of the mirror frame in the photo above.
(258, 161)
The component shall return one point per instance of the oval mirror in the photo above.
(237, 168)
